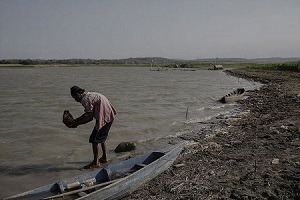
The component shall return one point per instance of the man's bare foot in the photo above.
(92, 165)
(103, 160)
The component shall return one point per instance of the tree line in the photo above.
(132, 61)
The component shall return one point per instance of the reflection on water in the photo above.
(151, 105)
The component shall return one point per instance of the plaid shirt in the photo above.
(103, 111)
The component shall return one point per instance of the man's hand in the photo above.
(70, 122)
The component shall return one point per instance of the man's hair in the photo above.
(75, 90)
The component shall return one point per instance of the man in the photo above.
(99, 107)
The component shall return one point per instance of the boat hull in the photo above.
(138, 171)
(236, 95)
(128, 185)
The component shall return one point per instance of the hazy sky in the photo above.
(186, 29)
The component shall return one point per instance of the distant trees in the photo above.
(52, 61)
(290, 64)
(127, 61)
(20, 62)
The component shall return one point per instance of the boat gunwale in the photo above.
(53, 187)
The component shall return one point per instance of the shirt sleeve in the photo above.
(88, 104)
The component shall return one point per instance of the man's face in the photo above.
(77, 97)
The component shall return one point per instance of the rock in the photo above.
(284, 127)
(275, 161)
(295, 142)
(210, 145)
(67, 118)
(125, 146)
(179, 165)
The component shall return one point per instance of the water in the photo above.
(36, 148)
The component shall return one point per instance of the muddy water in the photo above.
(153, 108)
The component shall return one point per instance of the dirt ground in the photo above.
(254, 155)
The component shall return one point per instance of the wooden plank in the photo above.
(83, 189)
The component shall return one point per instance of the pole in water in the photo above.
(186, 114)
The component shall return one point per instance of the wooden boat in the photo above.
(233, 96)
(112, 182)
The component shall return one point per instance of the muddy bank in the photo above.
(254, 155)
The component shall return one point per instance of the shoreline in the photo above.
(253, 155)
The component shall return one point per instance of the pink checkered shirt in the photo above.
(102, 109)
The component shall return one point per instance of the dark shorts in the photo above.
(101, 135)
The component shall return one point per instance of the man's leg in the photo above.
(103, 159)
(95, 162)
(96, 153)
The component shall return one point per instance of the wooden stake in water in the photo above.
(186, 114)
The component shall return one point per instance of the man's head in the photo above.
(76, 93)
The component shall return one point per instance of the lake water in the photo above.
(36, 148)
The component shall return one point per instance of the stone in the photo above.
(275, 161)
(67, 118)
(125, 146)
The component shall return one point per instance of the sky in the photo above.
(175, 29)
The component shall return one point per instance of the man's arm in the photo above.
(83, 119)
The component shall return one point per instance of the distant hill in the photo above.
(140, 60)
(266, 60)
